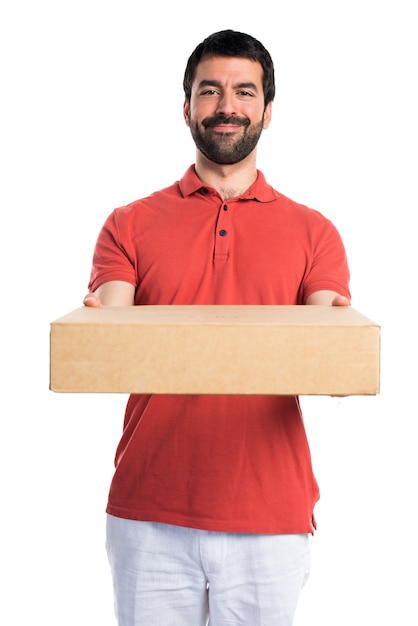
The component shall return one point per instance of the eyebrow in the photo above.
(216, 83)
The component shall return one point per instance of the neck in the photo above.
(228, 180)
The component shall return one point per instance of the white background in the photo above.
(91, 118)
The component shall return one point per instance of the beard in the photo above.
(225, 148)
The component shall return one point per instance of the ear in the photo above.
(186, 112)
(267, 115)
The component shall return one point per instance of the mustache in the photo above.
(209, 122)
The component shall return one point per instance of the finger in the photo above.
(91, 300)
(340, 301)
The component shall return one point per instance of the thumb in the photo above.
(91, 300)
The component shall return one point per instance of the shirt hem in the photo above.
(280, 527)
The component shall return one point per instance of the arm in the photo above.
(327, 298)
(113, 293)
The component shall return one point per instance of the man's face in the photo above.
(226, 112)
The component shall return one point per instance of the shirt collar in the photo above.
(260, 190)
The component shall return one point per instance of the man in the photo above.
(210, 509)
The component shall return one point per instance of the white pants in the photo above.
(167, 575)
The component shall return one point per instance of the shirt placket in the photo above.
(223, 233)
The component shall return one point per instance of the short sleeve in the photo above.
(329, 268)
(112, 258)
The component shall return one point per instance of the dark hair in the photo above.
(230, 43)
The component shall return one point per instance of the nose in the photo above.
(226, 105)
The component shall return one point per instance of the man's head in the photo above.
(229, 89)
(230, 43)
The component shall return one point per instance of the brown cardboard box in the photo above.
(284, 350)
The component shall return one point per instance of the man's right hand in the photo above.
(113, 293)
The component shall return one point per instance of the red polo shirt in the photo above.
(228, 463)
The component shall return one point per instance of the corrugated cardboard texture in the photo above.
(280, 350)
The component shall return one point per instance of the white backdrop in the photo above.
(91, 118)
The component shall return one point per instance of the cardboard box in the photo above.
(280, 350)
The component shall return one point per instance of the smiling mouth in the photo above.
(226, 128)
(225, 124)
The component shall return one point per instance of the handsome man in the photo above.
(210, 509)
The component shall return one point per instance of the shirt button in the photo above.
(225, 207)
(204, 190)
(222, 232)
